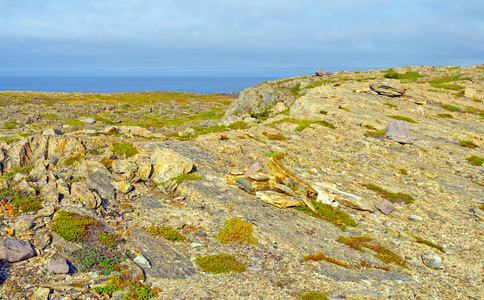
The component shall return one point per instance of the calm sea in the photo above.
(202, 85)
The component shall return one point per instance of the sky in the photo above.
(235, 38)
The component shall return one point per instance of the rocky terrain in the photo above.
(352, 185)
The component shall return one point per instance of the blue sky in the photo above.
(235, 38)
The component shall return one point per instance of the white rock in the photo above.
(142, 261)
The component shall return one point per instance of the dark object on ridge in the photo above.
(323, 73)
(398, 131)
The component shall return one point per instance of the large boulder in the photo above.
(387, 89)
(168, 164)
(15, 250)
(398, 131)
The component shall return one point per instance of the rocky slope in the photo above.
(280, 148)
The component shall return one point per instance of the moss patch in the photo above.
(392, 197)
(402, 118)
(72, 159)
(277, 155)
(125, 149)
(326, 212)
(475, 160)
(220, 263)
(72, 226)
(467, 144)
(166, 232)
(236, 231)
(21, 201)
(376, 134)
(383, 254)
(428, 243)
(313, 296)
(136, 290)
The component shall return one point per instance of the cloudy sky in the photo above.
(235, 37)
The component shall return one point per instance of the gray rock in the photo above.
(142, 261)
(387, 89)
(432, 261)
(23, 224)
(46, 211)
(15, 250)
(52, 131)
(244, 184)
(49, 192)
(58, 266)
(323, 73)
(398, 131)
(386, 207)
(415, 218)
(88, 120)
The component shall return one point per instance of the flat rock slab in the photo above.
(398, 131)
(15, 250)
(58, 266)
(386, 207)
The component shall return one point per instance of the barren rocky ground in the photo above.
(126, 195)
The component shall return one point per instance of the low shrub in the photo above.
(125, 149)
(72, 226)
(108, 239)
(136, 290)
(467, 144)
(21, 201)
(376, 134)
(220, 263)
(447, 116)
(452, 108)
(99, 259)
(313, 296)
(166, 232)
(236, 231)
(72, 159)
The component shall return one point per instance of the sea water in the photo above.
(202, 85)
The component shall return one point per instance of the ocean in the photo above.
(202, 85)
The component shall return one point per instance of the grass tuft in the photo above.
(326, 212)
(383, 254)
(392, 197)
(475, 160)
(220, 263)
(402, 118)
(72, 226)
(166, 232)
(125, 149)
(428, 243)
(236, 231)
(467, 144)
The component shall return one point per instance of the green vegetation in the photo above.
(166, 232)
(238, 125)
(136, 290)
(277, 155)
(428, 243)
(403, 171)
(376, 134)
(20, 169)
(262, 115)
(452, 108)
(11, 125)
(467, 144)
(401, 118)
(326, 212)
(383, 254)
(316, 84)
(475, 160)
(110, 240)
(180, 178)
(390, 105)
(95, 152)
(21, 201)
(74, 122)
(220, 263)
(392, 197)
(460, 94)
(72, 226)
(236, 231)
(448, 79)
(295, 90)
(448, 86)
(357, 266)
(447, 116)
(409, 76)
(303, 124)
(124, 149)
(72, 159)
(344, 108)
(98, 259)
(313, 296)
(49, 116)
(9, 140)
(274, 137)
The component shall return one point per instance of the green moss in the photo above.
(428, 243)
(412, 76)
(49, 116)
(238, 125)
(475, 160)
(72, 159)
(321, 256)
(452, 108)
(183, 177)
(441, 80)
(72, 226)
(74, 122)
(467, 144)
(390, 105)
(11, 125)
(403, 171)
(95, 152)
(402, 118)
(313, 296)
(125, 149)
(21, 201)
(277, 155)
(448, 86)
(383, 254)
(166, 232)
(447, 116)
(274, 137)
(9, 140)
(376, 134)
(262, 115)
(236, 231)
(328, 213)
(392, 197)
(220, 263)
(316, 84)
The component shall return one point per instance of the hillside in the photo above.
(296, 182)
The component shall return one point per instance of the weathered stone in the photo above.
(168, 164)
(470, 92)
(386, 207)
(284, 189)
(49, 192)
(23, 224)
(244, 184)
(142, 261)
(123, 186)
(124, 166)
(58, 266)
(259, 176)
(323, 73)
(81, 193)
(42, 240)
(145, 169)
(25, 187)
(348, 199)
(63, 188)
(15, 250)
(388, 89)
(398, 131)
(257, 167)
(46, 211)
(432, 261)
(88, 120)
(415, 218)
(41, 294)
(52, 131)
(278, 199)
